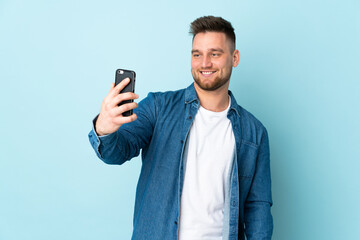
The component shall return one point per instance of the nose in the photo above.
(206, 62)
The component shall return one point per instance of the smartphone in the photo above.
(120, 75)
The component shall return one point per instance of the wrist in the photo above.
(98, 129)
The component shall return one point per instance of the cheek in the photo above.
(194, 64)
(228, 63)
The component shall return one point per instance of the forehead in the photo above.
(210, 40)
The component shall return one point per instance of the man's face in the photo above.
(212, 60)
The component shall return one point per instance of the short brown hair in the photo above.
(212, 24)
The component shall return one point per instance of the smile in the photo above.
(207, 73)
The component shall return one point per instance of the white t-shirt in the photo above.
(209, 152)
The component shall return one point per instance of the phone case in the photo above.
(120, 75)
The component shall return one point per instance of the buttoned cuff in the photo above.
(97, 141)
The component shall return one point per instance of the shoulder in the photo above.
(161, 104)
(249, 119)
(167, 97)
(168, 94)
(252, 128)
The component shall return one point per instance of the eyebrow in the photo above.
(211, 50)
(216, 50)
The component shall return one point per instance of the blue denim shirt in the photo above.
(164, 121)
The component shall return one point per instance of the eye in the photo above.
(215, 54)
(196, 55)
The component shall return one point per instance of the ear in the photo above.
(236, 58)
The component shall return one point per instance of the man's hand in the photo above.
(110, 118)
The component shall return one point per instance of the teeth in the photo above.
(206, 73)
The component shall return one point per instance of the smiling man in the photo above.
(205, 160)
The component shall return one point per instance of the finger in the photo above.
(123, 97)
(120, 86)
(127, 107)
(115, 112)
(122, 120)
(111, 88)
(108, 96)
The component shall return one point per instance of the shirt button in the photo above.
(182, 141)
(176, 222)
(190, 117)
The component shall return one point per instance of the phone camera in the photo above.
(121, 72)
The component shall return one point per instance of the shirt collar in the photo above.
(191, 95)
(234, 106)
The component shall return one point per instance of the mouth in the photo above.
(207, 73)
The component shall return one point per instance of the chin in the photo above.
(210, 86)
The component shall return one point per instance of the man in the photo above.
(205, 160)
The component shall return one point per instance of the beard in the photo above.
(213, 85)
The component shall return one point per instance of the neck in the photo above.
(215, 101)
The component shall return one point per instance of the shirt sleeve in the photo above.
(258, 218)
(96, 140)
(130, 138)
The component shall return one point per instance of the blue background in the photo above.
(299, 74)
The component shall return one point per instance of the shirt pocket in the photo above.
(247, 159)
